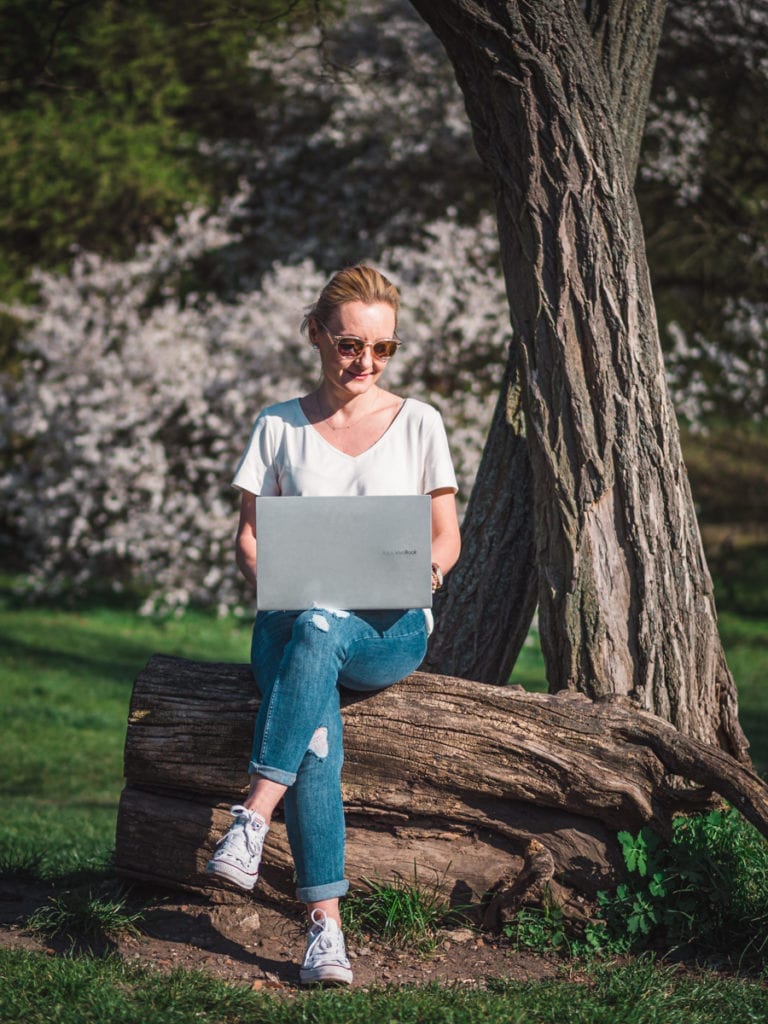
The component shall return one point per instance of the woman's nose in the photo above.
(365, 359)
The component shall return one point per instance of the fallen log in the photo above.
(471, 786)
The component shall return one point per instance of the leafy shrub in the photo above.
(705, 890)
(539, 928)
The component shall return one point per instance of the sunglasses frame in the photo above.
(339, 339)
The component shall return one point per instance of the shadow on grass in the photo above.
(119, 662)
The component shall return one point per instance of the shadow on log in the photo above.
(484, 790)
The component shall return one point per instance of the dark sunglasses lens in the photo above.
(384, 349)
(349, 346)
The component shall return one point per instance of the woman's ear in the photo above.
(313, 332)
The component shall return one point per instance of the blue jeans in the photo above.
(300, 660)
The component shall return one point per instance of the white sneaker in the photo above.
(238, 855)
(325, 960)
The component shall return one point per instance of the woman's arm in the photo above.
(245, 544)
(446, 539)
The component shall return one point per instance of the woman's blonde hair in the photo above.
(360, 283)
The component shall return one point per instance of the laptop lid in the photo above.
(360, 552)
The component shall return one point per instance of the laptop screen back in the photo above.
(363, 552)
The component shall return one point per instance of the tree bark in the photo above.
(625, 597)
(485, 610)
(464, 783)
(626, 37)
(484, 613)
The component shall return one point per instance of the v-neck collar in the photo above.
(338, 451)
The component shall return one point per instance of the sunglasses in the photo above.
(349, 346)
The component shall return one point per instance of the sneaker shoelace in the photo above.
(249, 832)
(327, 942)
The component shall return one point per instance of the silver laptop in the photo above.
(346, 552)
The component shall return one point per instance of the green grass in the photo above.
(406, 912)
(86, 918)
(529, 668)
(745, 639)
(65, 686)
(40, 989)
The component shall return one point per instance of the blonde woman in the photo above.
(349, 436)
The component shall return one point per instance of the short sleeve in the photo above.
(438, 472)
(256, 472)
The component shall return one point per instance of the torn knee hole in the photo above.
(318, 745)
(319, 618)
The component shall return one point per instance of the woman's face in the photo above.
(369, 321)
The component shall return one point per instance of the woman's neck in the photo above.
(328, 404)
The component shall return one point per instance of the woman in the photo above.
(349, 436)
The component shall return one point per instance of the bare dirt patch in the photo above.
(242, 940)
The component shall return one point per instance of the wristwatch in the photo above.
(437, 577)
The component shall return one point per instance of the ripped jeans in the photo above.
(299, 661)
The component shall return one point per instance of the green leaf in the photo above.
(657, 886)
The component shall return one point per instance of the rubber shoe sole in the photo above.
(232, 873)
(327, 974)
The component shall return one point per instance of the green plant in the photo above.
(406, 912)
(707, 889)
(86, 919)
(539, 928)
(65, 685)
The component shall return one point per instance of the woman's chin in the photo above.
(358, 383)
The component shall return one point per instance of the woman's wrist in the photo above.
(437, 577)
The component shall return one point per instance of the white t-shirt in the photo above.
(286, 455)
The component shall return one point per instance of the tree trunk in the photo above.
(473, 787)
(626, 41)
(625, 597)
(484, 613)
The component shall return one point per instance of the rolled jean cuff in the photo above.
(329, 891)
(273, 774)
